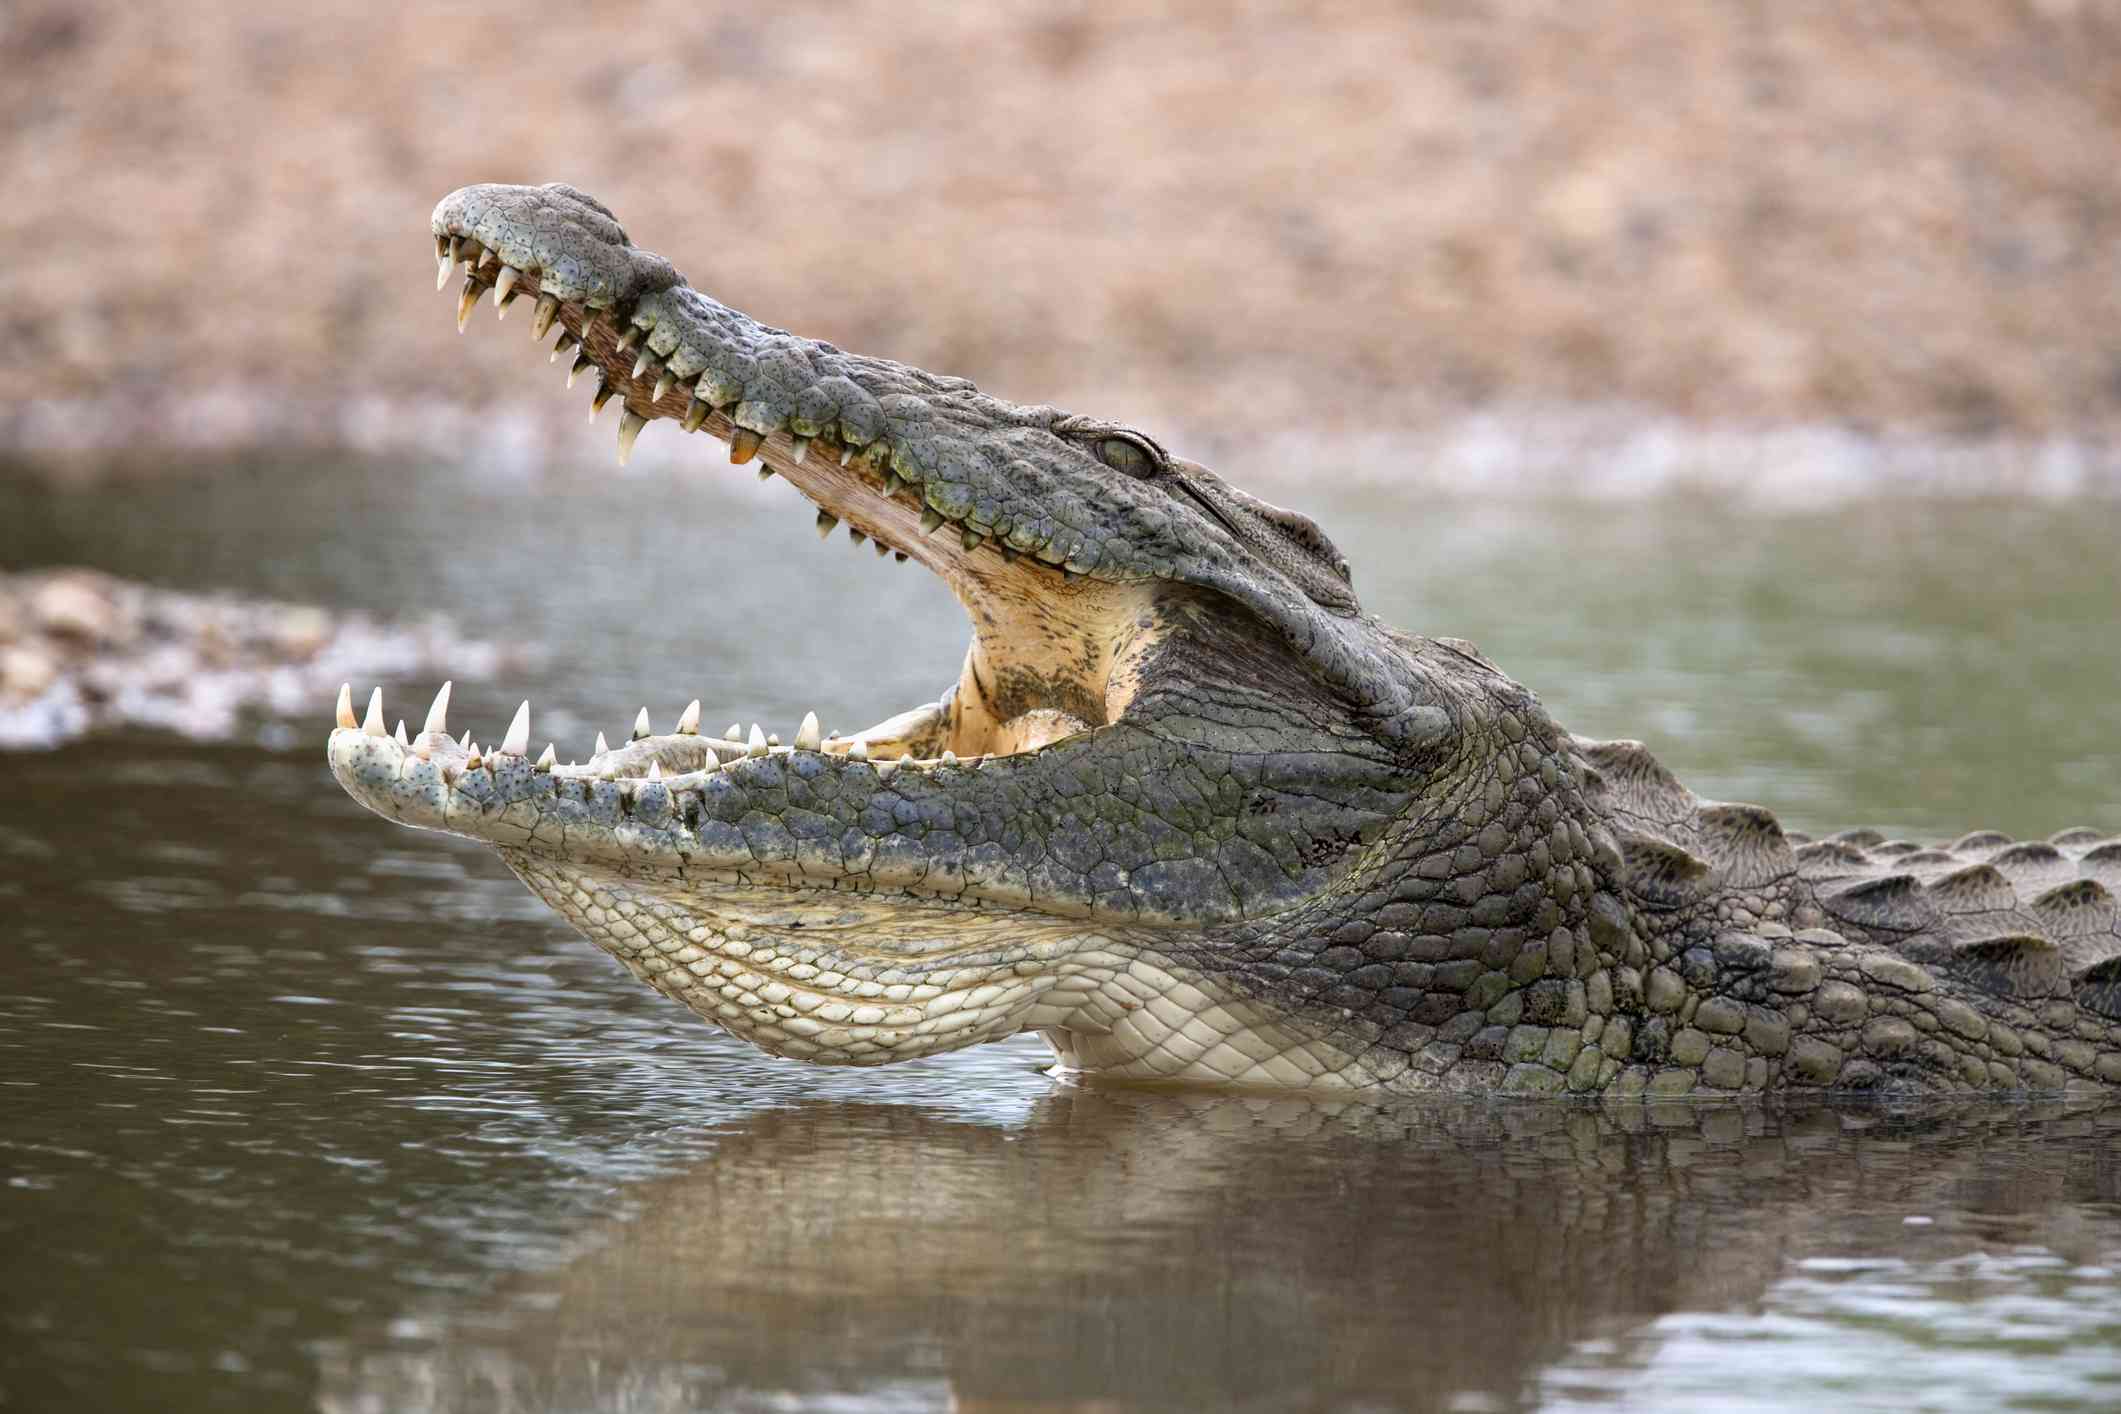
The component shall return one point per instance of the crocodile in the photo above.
(1188, 812)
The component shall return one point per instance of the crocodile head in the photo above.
(1176, 751)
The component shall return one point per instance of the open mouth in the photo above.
(1057, 634)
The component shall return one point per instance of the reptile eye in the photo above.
(1123, 455)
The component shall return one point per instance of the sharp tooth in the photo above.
(486, 256)
(603, 747)
(438, 714)
(744, 445)
(541, 318)
(882, 549)
(640, 725)
(931, 520)
(518, 739)
(806, 735)
(757, 745)
(548, 758)
(403, 740)
(561, 345)
(630, 425)
(373, 722)
(893, 484)
(465, 300)
(655, 770)
(949, 757)
(631, 337)
(858, 750)
(765, 472)
(970, 538)
(643, 364)
(582, 364)
(599, 398)
(856, 534)
(689, 719)
(712, 763)
(695, 413)
(443, 266)
(504, 285)
(802, 449)
(464, 741)
(346, 716)
(665, 381)
(846, 455)
(827, 522)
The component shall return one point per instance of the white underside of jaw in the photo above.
(848, 980)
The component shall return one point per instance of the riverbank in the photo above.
(1896, 226)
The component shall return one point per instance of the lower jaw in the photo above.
(847, 979)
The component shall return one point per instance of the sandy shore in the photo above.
(1896, 224)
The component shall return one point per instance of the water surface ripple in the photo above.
(302, 1110)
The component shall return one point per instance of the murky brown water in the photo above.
(299, 1109)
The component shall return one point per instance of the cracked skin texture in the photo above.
(1188, 812)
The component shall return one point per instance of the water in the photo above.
(299, 1109)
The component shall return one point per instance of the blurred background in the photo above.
(1457, 239)
(1742, 375)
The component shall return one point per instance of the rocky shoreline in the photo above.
(83, 651)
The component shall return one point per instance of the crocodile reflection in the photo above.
(1142, 1249)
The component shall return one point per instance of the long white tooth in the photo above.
(640, 365)
(373, 722)
(756, 746)
(734, 733)
(548, 758)
(858, 750)
(403, 740)
(486, 257)
(443, 266)
(602, 746)
(773, 738)
(806, 735)
(630, 425)
(438, 715)
(655, 770)
(518, 739)
(689, 719)
(503, 283)
(802, 449)
(663, 384)
(346, 716)
(464, 741)
(641, 727)
(712, 763)
(541, 318)
(846, 455)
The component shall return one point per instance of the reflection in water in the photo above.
(299, 1106)
(1192, 1251)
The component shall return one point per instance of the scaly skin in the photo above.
(1188, 812)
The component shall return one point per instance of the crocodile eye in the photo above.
(1123, 455)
